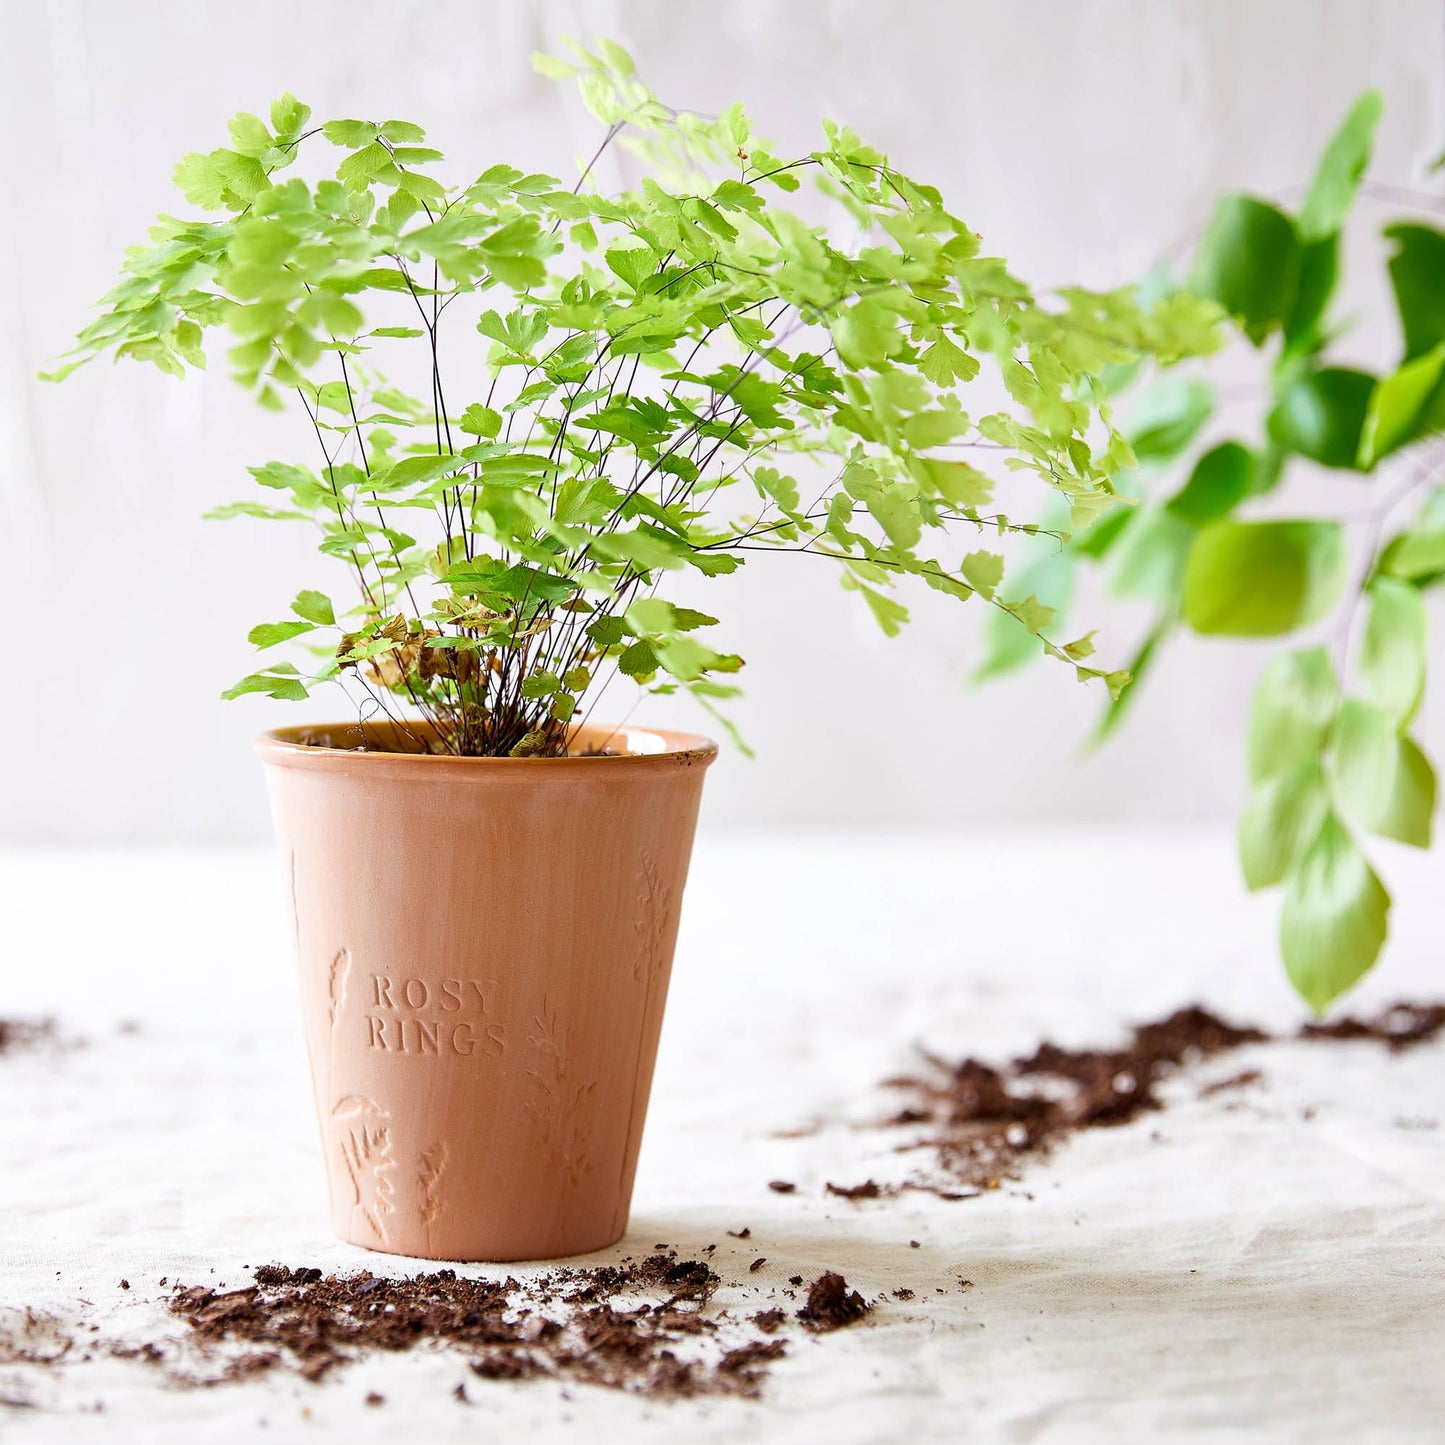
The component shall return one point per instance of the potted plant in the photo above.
(1215, 542)
(589, 398)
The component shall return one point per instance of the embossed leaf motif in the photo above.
(651, 916)
(576, 1164)
(362, 1129)
(563, 1130)
(550, 1067)
(432, 1166)
(336, 982)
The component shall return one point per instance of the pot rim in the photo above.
(660, 748)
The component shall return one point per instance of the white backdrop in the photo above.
(1084, 138)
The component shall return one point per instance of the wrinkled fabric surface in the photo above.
(1259, 1263)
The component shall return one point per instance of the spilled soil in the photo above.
(645, 1326)
(831, 1304)
(17, 1035)
(979, 1124)
(1399, 1027)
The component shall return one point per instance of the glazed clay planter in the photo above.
(484, 948)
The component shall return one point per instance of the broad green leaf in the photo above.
(334, 314)
(652, 615)
(958, 483)
(1417, 273)
(616, 57)
(1269, 464)
(540, 683)
(552, 67)
(1294, 706)
(1149, 560)
(606, 631)
(249, 134)
(211, 181)
(1408, 815)
(1263, 579)
(1341, 168)
(893, 505)
(634, 264)
(644, 547)
(314, 607)
(638, 660)
(1282, 818)
(282, 477)
(944, 363)
(866, 335)
(1334, 919)
(983, 571)
(1319, 271)
(1418, 554)
(773, 484)
(360, 166)
(933, 428)
(1033, 613)
(410, 471)
(896, 511)
(350, 134)
(284, 689)
(253, 509)
(1403, 407)
(1392, 653)
(687, 659)
(489, 578)
(1221, 479)
(1362, 756)
(1100, 538)
(280, 680)
(1249, 262)
(1380, 781)
(1322, 414)
(1167, 416)
(268, 634)
(481, 421)
(888, 613)
(288, 116)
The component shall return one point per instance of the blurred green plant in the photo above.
(1330, 754)
(644, 356)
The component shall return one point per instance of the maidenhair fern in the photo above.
(663, 380)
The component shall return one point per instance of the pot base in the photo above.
(490, 1255)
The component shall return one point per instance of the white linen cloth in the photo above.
(1266, 1264)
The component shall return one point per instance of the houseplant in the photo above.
(475, 851)
(1215, 544)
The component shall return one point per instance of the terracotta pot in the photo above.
(484, 947)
